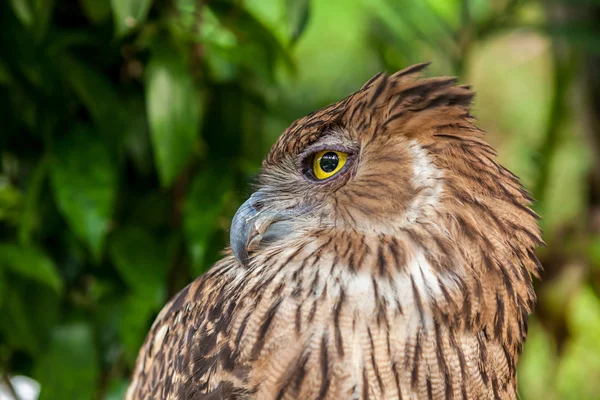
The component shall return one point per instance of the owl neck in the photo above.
(425, 278)
(388, 295)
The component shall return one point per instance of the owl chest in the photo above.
(327, 333)
(330, 342)
(298, 348)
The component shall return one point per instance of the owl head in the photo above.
(401, 161)
(399, 153)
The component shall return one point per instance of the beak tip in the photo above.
(238, 247)
(240, 231)
(241, 255)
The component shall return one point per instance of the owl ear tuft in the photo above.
(412, 70)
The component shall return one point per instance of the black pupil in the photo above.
(329, 161)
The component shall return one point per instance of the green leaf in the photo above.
(116, 389)
(537, 364)
(5, 75)
(29, 312)
(31, 263)
(142, 260)
(579, 2)
(205, 203)
(69, 367)
(29, 217)
(16, 325)
(34, 14)
(43, 11)
(594, 251)
(11, 203)
(298, 16)
(96, 10)
(84, 178)
(3, 287)
(23, 10)
(579, 35)
(173, 109)
(136, 320)
(98, 95)
(129, 14)
(137, 137)
(577, 375)
(260, 47)
(583, 316)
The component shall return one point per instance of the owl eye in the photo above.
(327, 163)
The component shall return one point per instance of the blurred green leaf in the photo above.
(116, 389)
(580, 365)
(129, 14)
(174, 111)
(34, 14)
(259, 48)
(582, 2)
(204, 206)
(69, 367)
(96, 10)
(11, 202)
(3, 287)
(220, 45)
(142, 260)
(99, 96)
(30, 263)
(584, 316)
(5, 76)
(565, 194)
(23, 10)
(298, 16)
(418, 21)
(273, 15)
(43, 10)
(106, 320)
(29, 216)
(584, 37)
(137, 136)
(594, 251)
(136, 319)
(16, 325)
(84, 178)
(29, 312)
(537, 365)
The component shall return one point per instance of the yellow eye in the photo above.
(327, 163)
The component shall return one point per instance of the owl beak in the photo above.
(249, 226)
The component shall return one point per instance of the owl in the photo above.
(385, 254)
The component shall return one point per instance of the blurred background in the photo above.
(131, 129)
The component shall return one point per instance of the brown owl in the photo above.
(385, 255)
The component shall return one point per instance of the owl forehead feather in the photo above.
(400, 102)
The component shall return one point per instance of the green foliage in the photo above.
(67, 371)
(128, 14)
(31, 263)
(84, 181)
(132, 128)
(173, 108)
(122, 162)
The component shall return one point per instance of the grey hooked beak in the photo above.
(249, 226)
